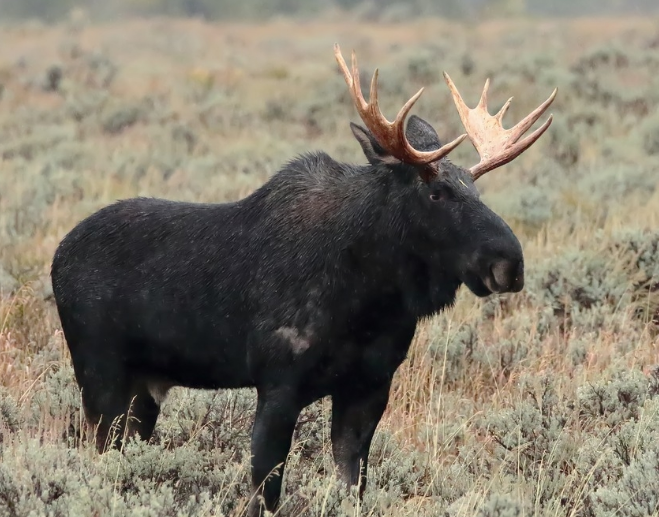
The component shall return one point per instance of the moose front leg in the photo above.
(355, 415)
(276, 415)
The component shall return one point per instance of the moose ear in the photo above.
(374, 152)
(421, 134)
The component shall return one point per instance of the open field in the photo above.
(544, 402)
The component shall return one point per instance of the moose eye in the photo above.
(439, 195)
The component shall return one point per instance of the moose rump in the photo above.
(140, 315)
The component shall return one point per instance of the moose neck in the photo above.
(396, 245)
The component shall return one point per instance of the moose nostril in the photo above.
(501, 272)
(508, 275)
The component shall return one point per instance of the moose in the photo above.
(311, 286)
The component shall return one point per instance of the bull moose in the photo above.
(311, 286)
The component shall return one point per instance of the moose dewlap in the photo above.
(311, 286)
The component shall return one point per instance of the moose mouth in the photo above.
(477, 286)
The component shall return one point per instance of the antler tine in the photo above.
(503, 110)
(505, 157)
(356, 84)
(355, 93)
(461, 106)
(390, 135)
(523, 125)
(482, 103)
(373, 94)
(374, 103)
(497, 146)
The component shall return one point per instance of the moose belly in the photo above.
(189, 349)
(358, 365)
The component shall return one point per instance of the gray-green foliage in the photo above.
(10, 416)
(648, 133)
(500, 505)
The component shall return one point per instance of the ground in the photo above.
(538, 403)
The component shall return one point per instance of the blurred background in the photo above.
(262, 9)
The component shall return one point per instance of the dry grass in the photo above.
(583, 201)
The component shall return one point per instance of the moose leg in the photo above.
(355, 415)
(105, 397)
(276, 415)
(144, 410)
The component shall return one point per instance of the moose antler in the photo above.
(390, 135)
(497, 146)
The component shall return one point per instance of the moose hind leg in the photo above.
(145, 401)
(105, 399)
(101, 374)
